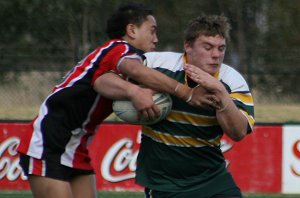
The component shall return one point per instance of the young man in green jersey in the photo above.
(181, 155)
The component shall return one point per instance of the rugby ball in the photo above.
(125, 110)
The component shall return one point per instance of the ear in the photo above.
(187, 47)
(131, 30)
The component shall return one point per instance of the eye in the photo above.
(153, 31)
(222, 48)
(207, 46)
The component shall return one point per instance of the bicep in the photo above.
(112, 86)
(137, 71)
(102, 81)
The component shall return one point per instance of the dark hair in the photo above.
(126, 14)
(211, 25)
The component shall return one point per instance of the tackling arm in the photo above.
(153, 79)
(110, 85)
(114, 87)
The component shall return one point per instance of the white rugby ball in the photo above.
(125, 110)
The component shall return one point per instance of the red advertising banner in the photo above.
(255, 162)
(291, 159)
(114, 151)
(11, 175)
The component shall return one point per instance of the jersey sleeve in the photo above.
(112, 59)
(240, 93)
(164, 60)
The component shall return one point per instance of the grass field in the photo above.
(267, 113)
(21, 100)
(27, 194)
(280, 113)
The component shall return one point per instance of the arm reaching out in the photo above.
(153, 79)
(111, 85)
(162, 83)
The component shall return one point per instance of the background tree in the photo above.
(54, 35)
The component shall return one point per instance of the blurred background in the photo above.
(41, 40)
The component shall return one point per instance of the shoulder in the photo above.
(118, 46)
(163, 55)
(233, 78)
(167, 60)
(117, 50)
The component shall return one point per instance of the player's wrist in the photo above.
(183, 92)
(132, 90)
(224, 106)
(190, 96)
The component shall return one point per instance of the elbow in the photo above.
(238, 136)
(240, 131)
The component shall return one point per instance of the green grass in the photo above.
(268, 113)
(106, 194)
(101, 194)
(281, 113)
(271, 196)
(21, 99)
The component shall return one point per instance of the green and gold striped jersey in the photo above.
(182, 152)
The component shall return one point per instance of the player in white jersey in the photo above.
(181, 156)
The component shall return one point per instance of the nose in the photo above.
(155, 40)
(215, 53)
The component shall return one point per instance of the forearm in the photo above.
(112, 86)
(153, 79)
(231, 120)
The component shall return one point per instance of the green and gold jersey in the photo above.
(182, 152)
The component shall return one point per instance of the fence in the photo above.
(25, 82)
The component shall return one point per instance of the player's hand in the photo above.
(143, 102)
(202, 98)
(203, 78)
(215, 95)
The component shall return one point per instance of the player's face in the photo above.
(145, 35)
(207, 53)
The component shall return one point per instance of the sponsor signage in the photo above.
(11, 175)
(114, 150)
(291, 159)
(255, 162)
(266, 161)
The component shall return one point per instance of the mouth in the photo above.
(214, 64)
(153, 49)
